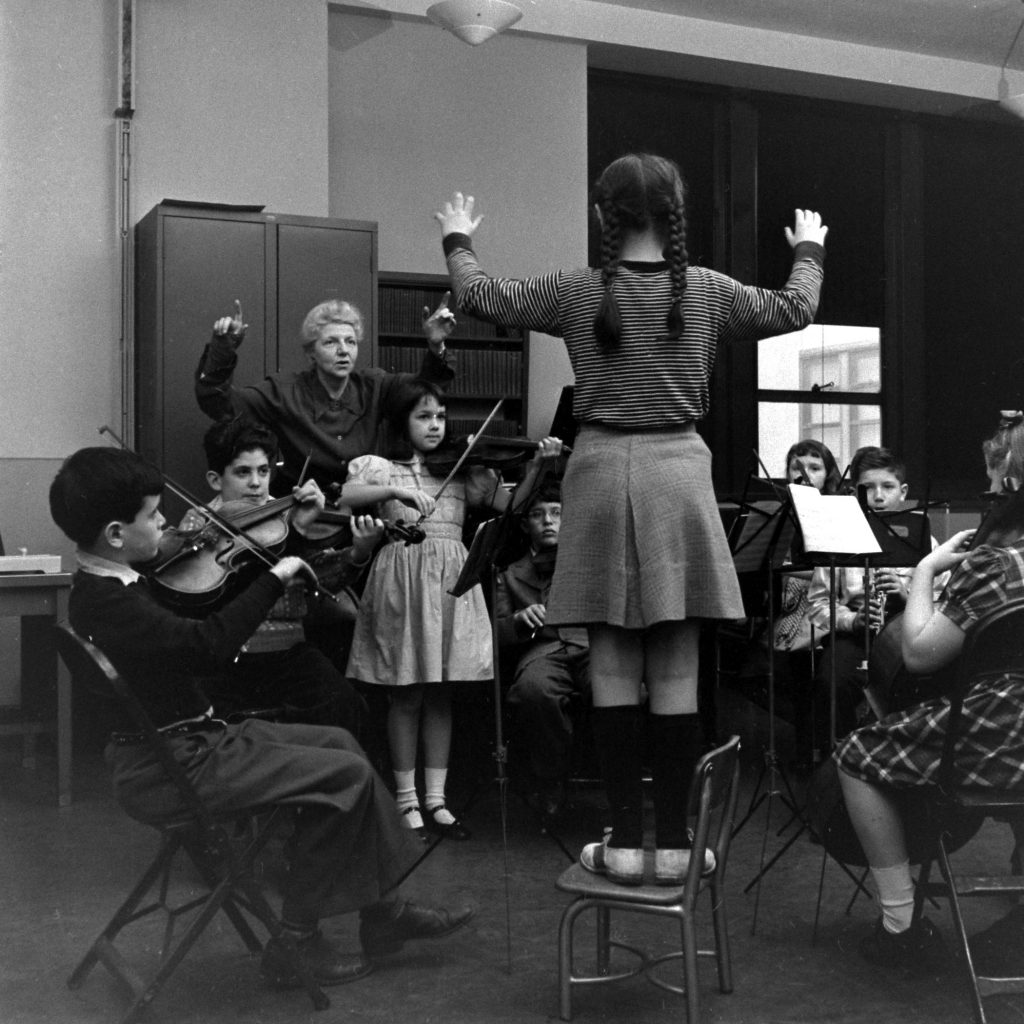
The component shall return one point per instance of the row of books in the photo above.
(484, 371)
(400, 311)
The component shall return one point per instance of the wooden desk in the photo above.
(40, 600)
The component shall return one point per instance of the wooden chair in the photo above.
(992, 648)
(712, 800)
(223, 850)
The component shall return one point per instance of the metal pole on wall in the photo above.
(123, 134)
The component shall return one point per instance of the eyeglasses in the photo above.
(538, 515)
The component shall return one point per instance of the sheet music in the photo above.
(832, 523)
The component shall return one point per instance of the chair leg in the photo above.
(689, 940)
(565, 959)
(958, 921)
(604, 920)
(124, 914)
(723, 952)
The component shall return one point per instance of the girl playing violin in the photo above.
(643, 556)
(411, 634)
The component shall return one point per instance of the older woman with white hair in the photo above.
(330, 412)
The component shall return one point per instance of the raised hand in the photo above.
(807, 227)
(231, 327)
(457, 216)
(438, 325)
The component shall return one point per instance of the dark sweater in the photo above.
(161, 654)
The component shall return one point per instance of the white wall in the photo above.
(231, 106)
(416, 114)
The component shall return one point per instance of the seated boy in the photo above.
(552, 663)
(883, 477)
(349, 847)
(277, 666)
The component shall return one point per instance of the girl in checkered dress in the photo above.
(904, 749)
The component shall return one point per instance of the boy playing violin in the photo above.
(349, 848)
(277, 666)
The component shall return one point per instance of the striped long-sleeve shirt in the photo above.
(649, 381)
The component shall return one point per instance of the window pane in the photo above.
(842, 428)
(847, 358)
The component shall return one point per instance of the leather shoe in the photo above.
(449, 830)
(327, 964)
(389, 929)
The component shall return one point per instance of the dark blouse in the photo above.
(304, 417)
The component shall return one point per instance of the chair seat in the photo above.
(987, 799)
(581, 882)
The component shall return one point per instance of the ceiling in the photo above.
(978, 31)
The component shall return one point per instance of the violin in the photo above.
(498, 453)
(194, 567)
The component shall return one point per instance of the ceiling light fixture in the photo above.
(474, 21)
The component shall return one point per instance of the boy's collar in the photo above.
(97, 565)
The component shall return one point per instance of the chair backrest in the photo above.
(713, 795)
(91, 668)
(993, 647)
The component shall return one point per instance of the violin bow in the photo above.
(224, 524)
(469, 447)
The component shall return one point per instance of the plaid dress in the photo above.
(904, 748)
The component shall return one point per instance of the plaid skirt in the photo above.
(642, 540)
(904, 748)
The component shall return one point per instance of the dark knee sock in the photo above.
(617, 735)
(675, 745)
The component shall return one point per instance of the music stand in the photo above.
(833, 532)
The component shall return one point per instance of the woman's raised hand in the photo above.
(232, 327)
(439, 324)
(457, 216)
(807, 227)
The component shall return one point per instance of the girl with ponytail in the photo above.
(642, 556)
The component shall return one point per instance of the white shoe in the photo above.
(411, 818)
(622, 865)
(672, 866)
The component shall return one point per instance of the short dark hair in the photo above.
(96, 486)
(404, 398)
(872, 457)
(550, 492)
(228, 439)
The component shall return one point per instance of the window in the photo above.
(823, 382)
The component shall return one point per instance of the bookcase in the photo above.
(491, 361)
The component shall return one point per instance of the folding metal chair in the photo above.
(222, 849)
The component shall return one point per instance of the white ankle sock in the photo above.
(895, 896)
(405, 793)
(434, 780)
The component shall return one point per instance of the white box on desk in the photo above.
(29, 563)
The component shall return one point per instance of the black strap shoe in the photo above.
(450, 830)
(387, 930)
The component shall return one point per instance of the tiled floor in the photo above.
(63, 871)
